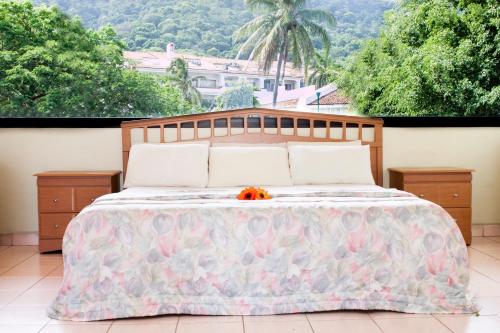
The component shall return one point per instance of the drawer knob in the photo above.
(455, 195)
(55, 200)
(421, 196)
(56, 226)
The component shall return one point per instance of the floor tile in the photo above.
(347, 326)
(20, 328)
(472, 324)
(210, 319)
(16, 254)
(492, 252)
(48, 283)
(167, 319)
(485, 264)
(76, 328)
(277, 318)
(33, 267)
(4, 269)
(143, 328)
(482, 285)
(106, 323)
(33, 298)
(26, 270)
(7, 296)
(211, 327)
(296, 326)
(18, 282)
(411, 325)
(25, 315)
(337, 315)
(489, 305)
(58, 271)
(495, 239)
(392, 314)
(3, 247)
(483, 242)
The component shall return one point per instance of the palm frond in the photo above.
(249, 27)
(297, 60)
(255, 37)
(269, 5)
(270, 48)
(317, 15)
(304, 44)
(318, 31)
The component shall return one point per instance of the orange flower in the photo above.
(248, 193)
(262, 194)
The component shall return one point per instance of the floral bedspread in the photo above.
(145, 252)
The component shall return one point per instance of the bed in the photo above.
(166, 250)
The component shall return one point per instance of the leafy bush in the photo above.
(50, 65)
(238, 97)
(433, 58)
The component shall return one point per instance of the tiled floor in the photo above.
(29, 281)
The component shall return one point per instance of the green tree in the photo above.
(238, 97)
(51, 66)
(177, 75)
(323, 70)
(286, 28)
(434, 57)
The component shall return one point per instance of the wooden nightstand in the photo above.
(62, 195)
(451, 188)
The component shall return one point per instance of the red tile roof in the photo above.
(332, 98)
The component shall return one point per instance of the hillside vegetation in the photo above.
(433, 58)
(207, 26)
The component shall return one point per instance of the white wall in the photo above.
(475, 148)
(24, 152)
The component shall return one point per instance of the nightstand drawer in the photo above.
(423, 191)
(462, 217)
(55, 199)
(84, 196)
(54, 225)
(455, 195)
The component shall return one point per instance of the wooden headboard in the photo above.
(257, 126)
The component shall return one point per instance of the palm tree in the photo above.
(286, 28)
(323, 70)
(177, 75)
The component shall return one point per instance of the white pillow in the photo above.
(236, 144)
(324, 143)
(248, 166)
(168, 165)
(330, 165)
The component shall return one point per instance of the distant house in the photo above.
(287, 99)
(330, 101)
(213, 75)
(306, 99)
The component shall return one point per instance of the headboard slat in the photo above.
(246, 136)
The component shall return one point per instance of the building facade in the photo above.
(212, 76)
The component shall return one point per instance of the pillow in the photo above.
(167, 165)
(330, 165)
(198, 142)
(235, 144)
(324, 143)
(248, 166)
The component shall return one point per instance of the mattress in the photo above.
(152, 251)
